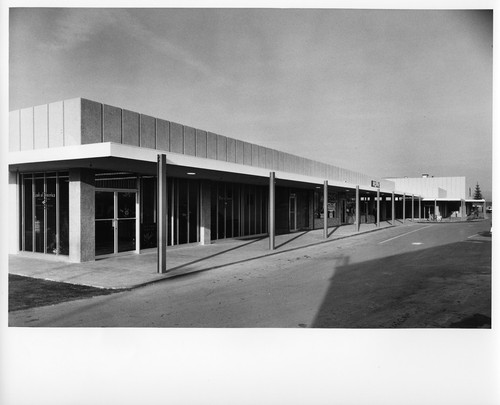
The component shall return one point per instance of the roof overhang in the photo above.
(113, 156)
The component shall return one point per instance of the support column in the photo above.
(378, 207)
(404, 207)
(435, 209)
(138, 216)
(357, 217)
(325, 209)
(272, 208)
(205, 213)
(462, 209)
(393, 210)
(162, 213)
(81, 215)
(412, 207)
(419, 208)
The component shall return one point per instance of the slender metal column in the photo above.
(419, 207)
(138, 207)
(435, 209)
(462, 209)
(272, 230)
(162, 213)
(412, 207)
(378, 207)
(325, 209)
(393, 210)
(404, 207)
(356, 221)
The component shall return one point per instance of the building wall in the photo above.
(432, 187)
(80, 121)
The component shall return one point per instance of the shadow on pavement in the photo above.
(428, 288)
(216, 254)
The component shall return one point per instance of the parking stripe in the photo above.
(404, 234)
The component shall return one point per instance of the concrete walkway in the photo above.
(133, 270)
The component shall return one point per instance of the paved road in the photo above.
(420, 275)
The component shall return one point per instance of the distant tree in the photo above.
(477, 193)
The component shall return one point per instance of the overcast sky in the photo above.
(388, 93)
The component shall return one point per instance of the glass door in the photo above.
(115, 221)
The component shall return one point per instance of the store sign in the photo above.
(376, 184)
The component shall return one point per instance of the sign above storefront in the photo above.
(375, 183)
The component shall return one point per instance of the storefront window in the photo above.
(44, 213)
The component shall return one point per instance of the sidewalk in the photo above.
(133, 270)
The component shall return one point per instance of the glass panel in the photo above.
(193, 211)
(236, 210)
(229, 210)
(148, 217)
(251, 209)
(126, 205)
(50, 206)
(170, 209)
(39, 214)
(213, 211)
(63, 215)
(104, 237)
(258, 211)
(126, 235)
(265, 210)
(221, 211)
(28, 213)
(292, 212)
(175, 209)
(104, 205)
(183, 211)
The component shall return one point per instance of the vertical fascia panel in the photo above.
(276, 160)
(201, 144)
(281, 163)
(176, 138)
(147, 133)
(211, 145)
(130, 128)
(255, 155)
(231, 150)
(91, 122)
(247, 153)
(111, 124)
(221, 148)
(14, 131)
(269, 158)
(56, 124)
(189, 141)
(162, 135)
(41, 127)
(72, 122)
(262, 156)
(239, 152)
(27, 135)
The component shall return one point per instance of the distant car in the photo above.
(488, 209)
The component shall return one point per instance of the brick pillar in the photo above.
(81, 215)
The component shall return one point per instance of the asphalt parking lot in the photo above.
(414, 276)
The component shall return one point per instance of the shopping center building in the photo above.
(88, 180)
